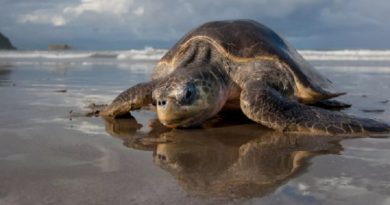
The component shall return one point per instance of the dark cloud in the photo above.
(121, 24)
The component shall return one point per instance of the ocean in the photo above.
(51, 153)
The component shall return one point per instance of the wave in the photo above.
(156, 54)
(347, 55)
(144, 54)
(46, 54)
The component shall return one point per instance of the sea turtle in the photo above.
(245, 65)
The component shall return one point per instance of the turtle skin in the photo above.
(241, 64)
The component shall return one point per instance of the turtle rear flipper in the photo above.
(268, 107)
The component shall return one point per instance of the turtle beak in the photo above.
(166, 104)
(166, 111)
(162, 103)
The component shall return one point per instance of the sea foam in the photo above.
(347, 55)
(156, 54)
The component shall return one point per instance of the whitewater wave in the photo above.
(156, 54)
(347, 55)
(45, 54)
(144, 54)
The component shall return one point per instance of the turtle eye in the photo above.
(189, 93)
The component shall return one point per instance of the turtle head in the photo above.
(188, 99)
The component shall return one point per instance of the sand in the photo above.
(49, 155)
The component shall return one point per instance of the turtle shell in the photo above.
(247, 40)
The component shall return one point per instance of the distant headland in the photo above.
(5, 43)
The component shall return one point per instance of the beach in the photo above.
(51, 153)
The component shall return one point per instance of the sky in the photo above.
(127, 24)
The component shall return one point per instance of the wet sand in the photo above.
(49, 155)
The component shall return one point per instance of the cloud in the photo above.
(347, 23)
(98, 8)
(140, 11)
(38, 17)
(112, 7)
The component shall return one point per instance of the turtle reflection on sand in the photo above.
(238, 161)
(246, 66)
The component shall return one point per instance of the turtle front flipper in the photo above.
(332, 104)
(133, 98)
(267, 106)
